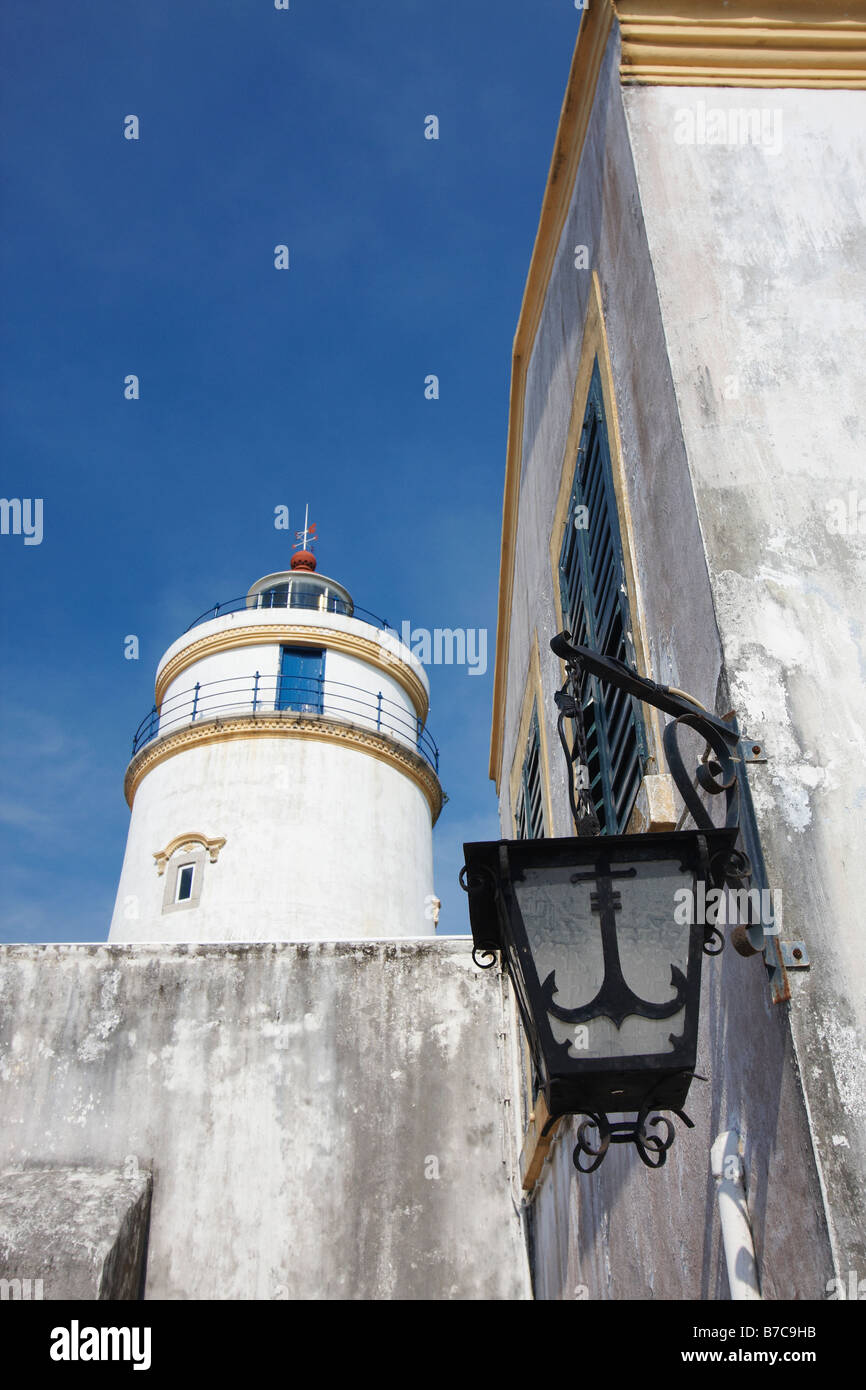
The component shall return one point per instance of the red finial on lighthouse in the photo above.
(305, 559)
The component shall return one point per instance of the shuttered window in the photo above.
(529, 812)
(595, 610)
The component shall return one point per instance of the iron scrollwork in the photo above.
(651, 1132)
(570, 1085)
(484, 956)
(652, 1147)
(716, 773)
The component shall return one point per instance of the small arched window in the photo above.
(183, 863)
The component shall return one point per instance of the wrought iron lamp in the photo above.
(599, 935)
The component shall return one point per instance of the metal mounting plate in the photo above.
(752, 751)
(794, 955)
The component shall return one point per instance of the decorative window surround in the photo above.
(189, 842)
(183, 860)
(189, 849)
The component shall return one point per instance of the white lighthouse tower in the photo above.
(284, 787)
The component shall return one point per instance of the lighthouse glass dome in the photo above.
(301, 589)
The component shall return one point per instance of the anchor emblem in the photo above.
(615, 999)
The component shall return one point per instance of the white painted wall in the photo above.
(228, 681)
(359, 706)
(393, 650)
(227, 685)
(322, 842)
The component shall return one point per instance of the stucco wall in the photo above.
(759, 255)
(321, 839)
(228, 684)
(625, 1232)
(321, 1121)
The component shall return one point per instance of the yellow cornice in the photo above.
(743, 43)
(287, 726)
(573, 121)
(299, 635)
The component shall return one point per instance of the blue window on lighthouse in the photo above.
(301, 679)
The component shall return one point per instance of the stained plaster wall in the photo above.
(321, 1121)
(762, 303)
(626, 1232)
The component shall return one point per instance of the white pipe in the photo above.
(726, 1162)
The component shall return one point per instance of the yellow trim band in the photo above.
(289, 726)
(744, 43)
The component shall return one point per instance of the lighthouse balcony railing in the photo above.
(267, 694)
(323, 602)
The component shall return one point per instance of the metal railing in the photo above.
(332, 603)
(311, 695)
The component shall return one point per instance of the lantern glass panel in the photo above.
(616, 933)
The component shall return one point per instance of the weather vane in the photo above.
(306, 538)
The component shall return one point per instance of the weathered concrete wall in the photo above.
(625, 1232)
(322, 1121)
(83, 1229)
(759, 255)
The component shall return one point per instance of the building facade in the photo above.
(685, 463)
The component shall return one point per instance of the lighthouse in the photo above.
(274, 1081)
(284, 786)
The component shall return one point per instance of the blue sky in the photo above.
(259, 388)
